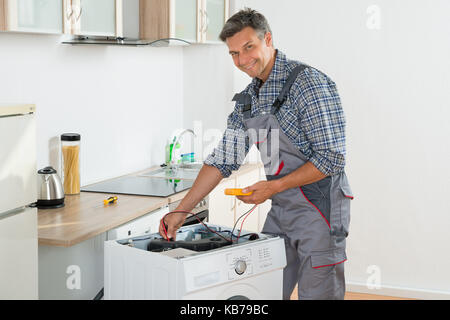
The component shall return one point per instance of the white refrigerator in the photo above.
(18, 189)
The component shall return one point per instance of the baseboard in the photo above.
(401, 292)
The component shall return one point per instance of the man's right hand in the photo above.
(173, 222)
(208, 178)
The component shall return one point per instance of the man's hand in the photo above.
(262, 191)
(208, 178)
(173, 222)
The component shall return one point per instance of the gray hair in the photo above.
(242, 19)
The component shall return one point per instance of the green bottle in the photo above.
(169, 150)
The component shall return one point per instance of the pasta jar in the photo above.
(70, 162)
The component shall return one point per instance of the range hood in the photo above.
(120, 41)
(127, 30)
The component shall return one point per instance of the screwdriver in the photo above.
(110, 200)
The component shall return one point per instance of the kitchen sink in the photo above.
(187, 171)
(190, 166)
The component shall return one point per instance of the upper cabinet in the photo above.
(37, 16)
(92, 17)
(214, 15)
(184, 20)
(2, 16)
(197, 21)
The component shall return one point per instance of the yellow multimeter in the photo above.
(236, 192)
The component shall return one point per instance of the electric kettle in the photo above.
(50, 189)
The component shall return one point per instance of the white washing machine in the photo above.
(199, 265)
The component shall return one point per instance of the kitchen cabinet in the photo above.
(92, 17)
(222, 207)
(2, 16)
(162, 19)
(196, 21)
(252, 221)
(263, 208)
(76, 272)
(214, 14)
(43, 16)
(73, 273)
(185, 20)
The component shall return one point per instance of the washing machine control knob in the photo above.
(240, 267)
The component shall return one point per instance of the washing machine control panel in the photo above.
(247, 261)
(240, 267)
(239, 262)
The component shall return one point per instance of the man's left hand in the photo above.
(262, 191)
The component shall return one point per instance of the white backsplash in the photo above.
(124, 101)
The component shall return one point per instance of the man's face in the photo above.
(250, 53)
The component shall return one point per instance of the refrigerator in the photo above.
(18, 189)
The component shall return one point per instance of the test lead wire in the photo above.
(195, 215)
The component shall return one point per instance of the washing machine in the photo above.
(206, 262)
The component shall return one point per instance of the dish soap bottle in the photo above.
(168, 152)
(171, 152)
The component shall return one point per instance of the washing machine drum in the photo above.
(240, 291)
(238, 298)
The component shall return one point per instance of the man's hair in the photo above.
(242, 19)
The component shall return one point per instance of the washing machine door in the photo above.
(240, 291)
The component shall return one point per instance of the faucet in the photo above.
(177, 138)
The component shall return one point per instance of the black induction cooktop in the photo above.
(140, 186)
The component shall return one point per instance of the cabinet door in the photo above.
(184, 19)
(221, 207)
(263, 208)
(146, 224)
(43, 16)
(216, 12)
(94, 17)
(252, 221)
(2, 16)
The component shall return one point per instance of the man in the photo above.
(296, 108)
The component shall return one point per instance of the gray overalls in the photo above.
(313, 219)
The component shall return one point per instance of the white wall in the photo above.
(395, 88)
(207, 93)
(124, 101)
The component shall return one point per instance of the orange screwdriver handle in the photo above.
(110, 200)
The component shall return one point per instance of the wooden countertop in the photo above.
(84, 216)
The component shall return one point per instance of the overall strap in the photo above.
(246, 100)
(287, 87)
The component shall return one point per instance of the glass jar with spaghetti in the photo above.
(70, 162)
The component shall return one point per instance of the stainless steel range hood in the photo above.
(120, 41)
(127, 30)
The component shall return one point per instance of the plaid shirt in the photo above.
(312, 118)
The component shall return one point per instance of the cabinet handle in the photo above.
(69, 14)
(201, 21)
(206, 20)
(233, 202)
(204, 14)
(79, 14)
